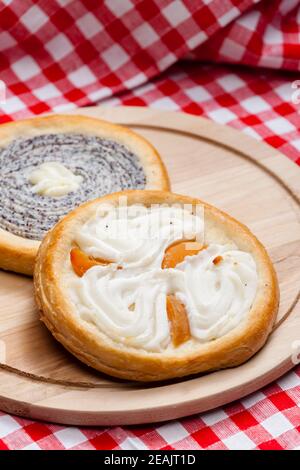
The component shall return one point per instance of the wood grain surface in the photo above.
(248, 179)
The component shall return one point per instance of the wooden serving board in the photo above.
(248, 179)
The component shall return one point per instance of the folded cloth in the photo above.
(59, 53)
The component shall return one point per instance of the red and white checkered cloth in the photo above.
(62, 54)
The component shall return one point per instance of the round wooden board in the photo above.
(251, 181)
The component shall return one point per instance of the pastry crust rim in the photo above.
(129, 363)
(17, 253)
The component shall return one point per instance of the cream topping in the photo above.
(137, 236)
(54, 179)
(217, 296)
(130, 307)
(217, 286)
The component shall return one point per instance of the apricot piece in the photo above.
(81, 262)
(180, 328)
(217, 260)
(176, 252)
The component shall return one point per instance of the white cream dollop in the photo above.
(137, 236)
(54, 179)
(130, 308)
(218, 296)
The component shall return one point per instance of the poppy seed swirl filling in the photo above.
(104, 165)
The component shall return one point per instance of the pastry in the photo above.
(50, 165)
(150, 285)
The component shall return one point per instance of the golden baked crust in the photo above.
(92, 347)
(17, 253)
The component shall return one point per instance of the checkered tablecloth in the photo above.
(189, 56)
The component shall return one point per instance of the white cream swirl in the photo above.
(54, 179)
(217, 296)
(137, 236)
(129, 308)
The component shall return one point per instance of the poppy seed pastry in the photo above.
(157, 287)
(50, 165)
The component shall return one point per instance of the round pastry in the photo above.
(150, 285)
(52, 164)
